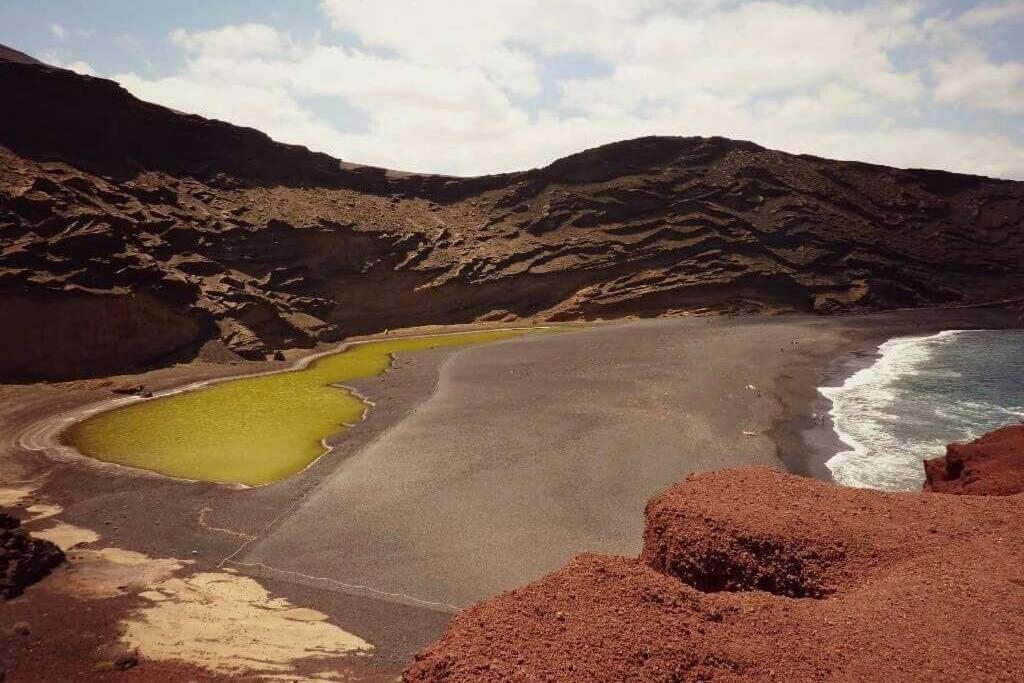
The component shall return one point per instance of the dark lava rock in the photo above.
(23, 559)
(126, 661)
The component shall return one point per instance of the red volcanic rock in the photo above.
(755, 575)
(990, 466)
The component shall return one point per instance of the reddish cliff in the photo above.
(754, 575)
(990, 466)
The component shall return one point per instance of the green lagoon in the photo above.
(253, 430)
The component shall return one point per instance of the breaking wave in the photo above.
(922, 393)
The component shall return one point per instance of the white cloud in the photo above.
(232, 41)
(449, 87)
(756, 49)
(989, 14)
(76, 65)
(459, 35)
(961, 31)
(84, 68)
(129, 41)
(58, 31)
(983, 154)
(971, 79)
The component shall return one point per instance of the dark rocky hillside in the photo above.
(132, 235)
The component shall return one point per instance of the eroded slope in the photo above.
(131, 235)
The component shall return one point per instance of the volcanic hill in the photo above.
(133, 235)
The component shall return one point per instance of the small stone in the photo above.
(126, 661)
(22, 628)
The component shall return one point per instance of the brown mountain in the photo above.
(132, 235)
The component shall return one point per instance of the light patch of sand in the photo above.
(66, 536)
(109, 572)
(320, 677)
(303, 614)
(9, 497)
(228, 623)
(41, 511)
(153, 596)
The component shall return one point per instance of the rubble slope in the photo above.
(132, 235)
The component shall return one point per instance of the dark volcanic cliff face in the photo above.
(152, 232)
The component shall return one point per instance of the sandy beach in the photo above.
(477, 470)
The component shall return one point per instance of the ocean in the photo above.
(922, 393)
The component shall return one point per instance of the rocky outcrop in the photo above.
(60, 335)
(23, 559)
(755, 575)
(264, 246)
(990, 466)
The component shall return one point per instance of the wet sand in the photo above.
(478, 469)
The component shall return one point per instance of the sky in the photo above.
(482, 86)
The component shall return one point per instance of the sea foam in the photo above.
(920, 394)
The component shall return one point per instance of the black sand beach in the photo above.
(476, 470)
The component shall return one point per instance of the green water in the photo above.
(254, 430)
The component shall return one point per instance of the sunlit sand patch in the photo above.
(109, 572)
(222, 620)
(66, 536)
(95, 572)
(41, 511)
(62, 534)
(153, 596)
(303, 614)
(228, 623)
(9, 497)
